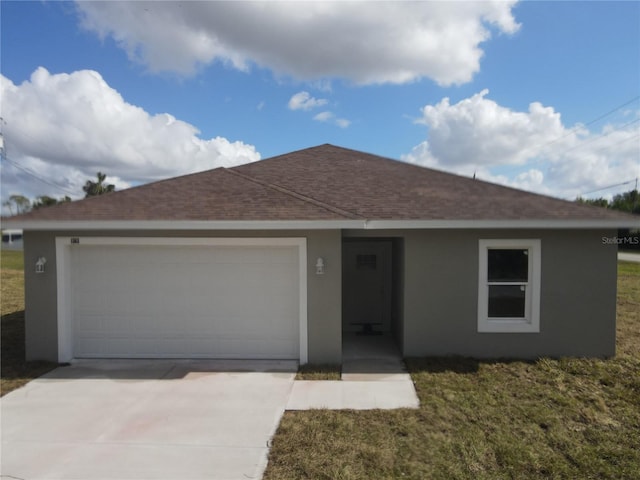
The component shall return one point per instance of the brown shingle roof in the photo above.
(322, 183)
(212, 195)
(374, 187)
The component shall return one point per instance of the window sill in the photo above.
(507, 326)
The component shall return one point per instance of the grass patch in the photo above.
(556, 419)
(628, 311)
(14, 370)
(319, 372)
(12, 260)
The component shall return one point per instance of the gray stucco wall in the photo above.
(324, 292)
(40, 295)
(438, 309)
(578, 296)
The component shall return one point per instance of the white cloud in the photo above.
(532, 150)
(330, 117)
(304, 101)
(66, 127)
(373, 42)
(324, 116)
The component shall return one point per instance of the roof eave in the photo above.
(119, 225)
(116, 225)
(551, 224)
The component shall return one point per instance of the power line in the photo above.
(637, 135)
(30, 173)
(572, 130)
(614, 110)
(598, 137)
(3, 156)
(611, 186)
(539, 148)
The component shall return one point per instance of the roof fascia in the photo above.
(49, 225)
(567, 224)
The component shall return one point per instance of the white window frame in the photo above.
(531, 321)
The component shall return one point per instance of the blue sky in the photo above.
(143, 91)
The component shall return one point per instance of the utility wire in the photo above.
(637, 135)
(611, 186)
(602, 135)
(613, 111)
(3, 156)
(539, 148)
(604, 115)
(30, 173)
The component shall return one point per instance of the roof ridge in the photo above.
(299, 196)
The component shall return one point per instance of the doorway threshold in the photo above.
(371, 358)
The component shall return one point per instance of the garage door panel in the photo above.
(169, 301)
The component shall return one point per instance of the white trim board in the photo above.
(63, 268)
(500, 224)
(181, 225)
(218, 225)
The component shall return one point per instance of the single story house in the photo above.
(276, 259)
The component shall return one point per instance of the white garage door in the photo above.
(185, 301)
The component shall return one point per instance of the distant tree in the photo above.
(598, 202)
(20, 203)
(625, 202)
(47, 201)
(91, 188)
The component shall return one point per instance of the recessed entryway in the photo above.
(371, 289)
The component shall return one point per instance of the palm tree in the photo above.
(92, 188)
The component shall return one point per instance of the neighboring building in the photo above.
(12, 239)
(277, 258)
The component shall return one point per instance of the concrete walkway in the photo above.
(373, 376)
(353, 395)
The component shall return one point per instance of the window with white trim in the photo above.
(509, 286)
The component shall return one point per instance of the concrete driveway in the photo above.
(145, 419)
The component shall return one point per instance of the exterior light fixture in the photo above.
(320, 266)
(40, 264)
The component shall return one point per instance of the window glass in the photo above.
(507, 301)
(508, 265)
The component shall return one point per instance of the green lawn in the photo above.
(556, 419)
(14, 370)
(11, 260)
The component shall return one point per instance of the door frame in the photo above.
(64, 285)
(387, 279)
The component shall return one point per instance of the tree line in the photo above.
(625, 202)
(18, 204)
